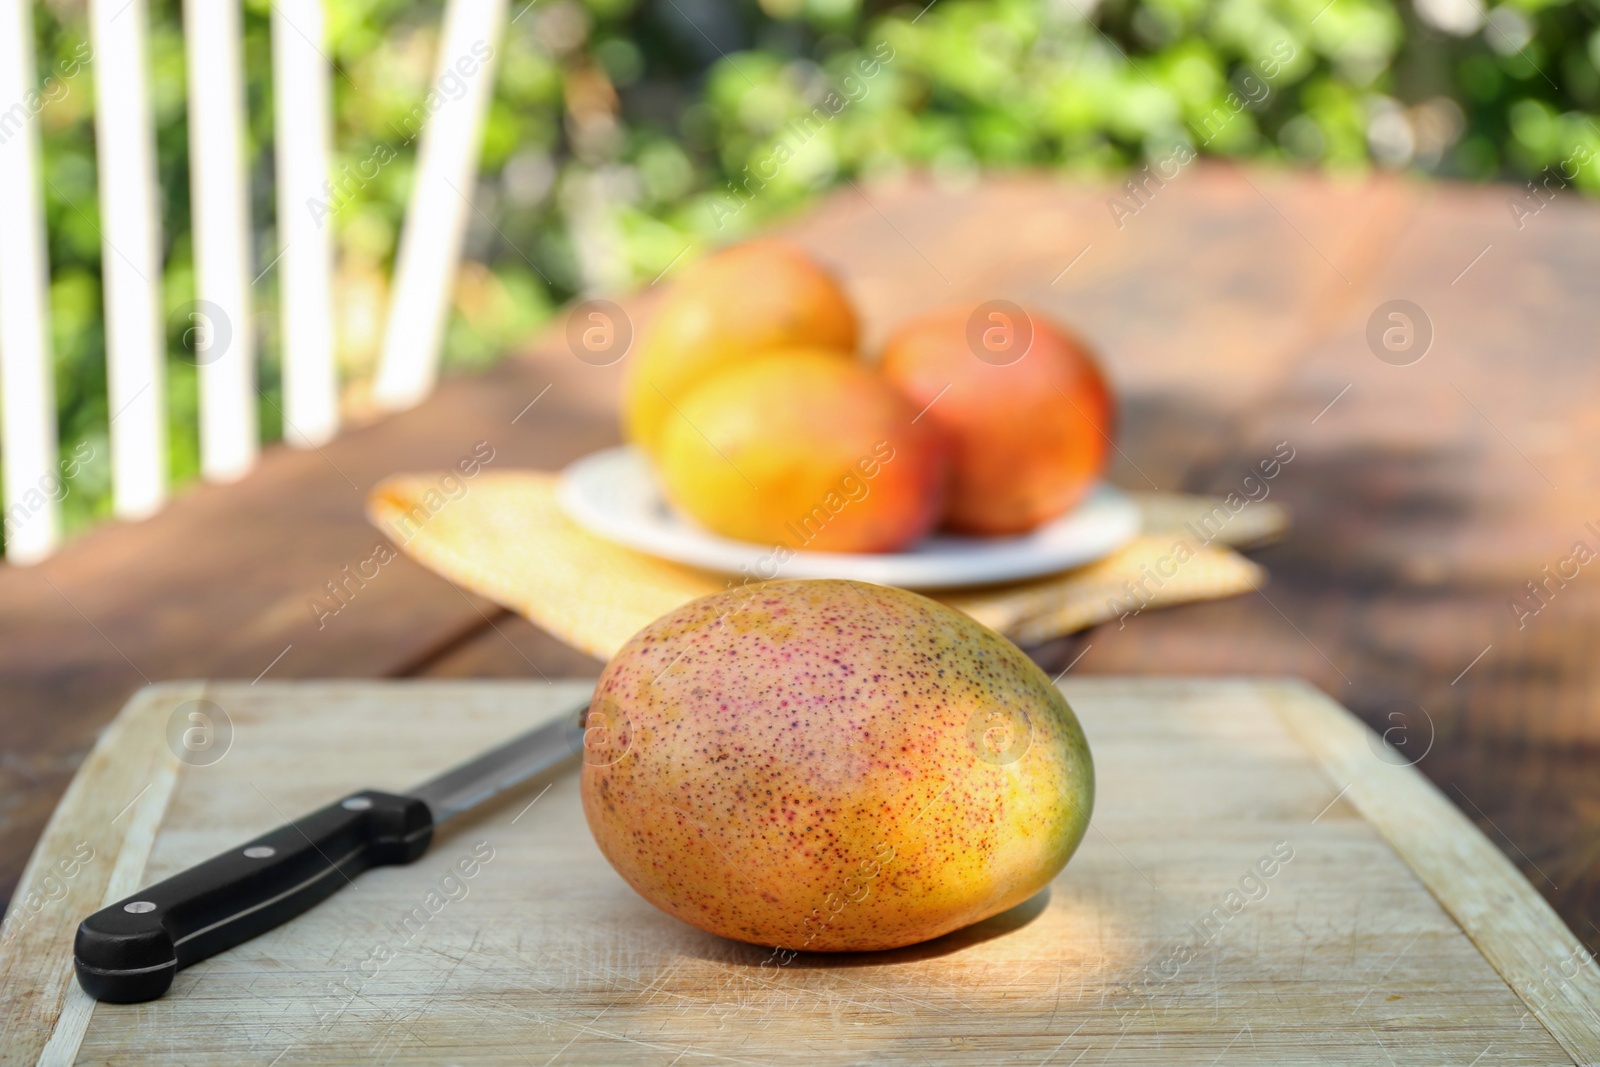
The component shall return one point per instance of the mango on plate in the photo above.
(1024, 404)
(726, 309)
(801, 449)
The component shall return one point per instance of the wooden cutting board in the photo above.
(1386, 930)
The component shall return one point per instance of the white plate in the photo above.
(614, 493)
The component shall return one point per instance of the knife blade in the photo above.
(130, 951)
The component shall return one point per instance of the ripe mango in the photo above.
(804, 450)
(1023, 402)
(831, 766)
(738, 303)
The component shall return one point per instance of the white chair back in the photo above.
(217, 325)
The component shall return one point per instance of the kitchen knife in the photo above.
(131, 951)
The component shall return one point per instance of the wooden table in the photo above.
(1232, 309)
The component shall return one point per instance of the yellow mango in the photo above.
(831, 766)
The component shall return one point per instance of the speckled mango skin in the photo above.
(832, 766)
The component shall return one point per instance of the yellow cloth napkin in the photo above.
(504, 535)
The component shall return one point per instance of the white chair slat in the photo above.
(450, 126)
(130, 257)
(224, 340)
(27, 386)
(436, 217)
(302, 115)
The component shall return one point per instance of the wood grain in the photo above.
(1494, 905)
(1340, 956)
(94, 851)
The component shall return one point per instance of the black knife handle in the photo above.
(131, 950)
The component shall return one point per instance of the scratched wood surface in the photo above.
(1388, 932)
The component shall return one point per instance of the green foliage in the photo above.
(627, 135)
